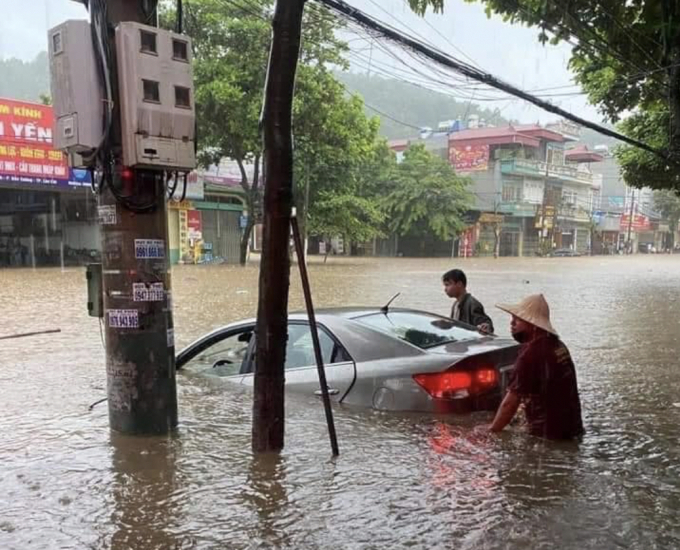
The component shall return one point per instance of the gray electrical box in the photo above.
(156, 97)
(95, 290)
(76, 93)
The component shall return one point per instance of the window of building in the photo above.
(555, 157)
(182, 97)
(152, 93)
(180, 50)
(512, 192)
(148, 42)
(569, 198)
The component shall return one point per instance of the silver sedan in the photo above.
(399, 360)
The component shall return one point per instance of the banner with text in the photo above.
(26, 152)
(469, 158)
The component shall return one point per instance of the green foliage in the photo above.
(426, 196)
(640, 168)
(420, 6)
(357, 219)
(25, 80)
(667, 203)
(231, 51)
(621, 56)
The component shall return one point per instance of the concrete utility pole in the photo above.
(140, 353)
(272, 313)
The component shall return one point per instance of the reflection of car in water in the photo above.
(401, 360)
(564, 253)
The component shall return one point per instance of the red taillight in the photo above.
(452, 384)
(486, 377)
(442, 385)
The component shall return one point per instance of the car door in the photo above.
(301, 371)
(225, 353)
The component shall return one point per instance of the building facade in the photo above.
(48, 213)
(531, 197)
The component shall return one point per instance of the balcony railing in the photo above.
(539, 168)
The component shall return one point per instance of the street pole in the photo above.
(140, 358)
(272, 312)
(630, 220)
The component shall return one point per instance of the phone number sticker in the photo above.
(149, 249)
(143, 292)
(107, 215)
(123, 318)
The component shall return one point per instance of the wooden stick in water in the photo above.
(25, 334)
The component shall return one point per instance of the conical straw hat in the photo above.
(533, 309)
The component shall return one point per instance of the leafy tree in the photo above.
(426, 196)
(667, 203)
(626, 56)
(333, 137)
(25, 80)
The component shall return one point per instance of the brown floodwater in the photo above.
(401, 481)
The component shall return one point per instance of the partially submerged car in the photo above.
(390, 360)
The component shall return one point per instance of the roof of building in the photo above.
(495, 136)
(581, 153)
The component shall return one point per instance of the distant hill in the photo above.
(592, 138)
(25, 80)
(419, 107)
(410, 104)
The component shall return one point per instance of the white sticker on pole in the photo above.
(171, 337)
(123, 318)
(107, 214)
(143, 292)
(149, 249)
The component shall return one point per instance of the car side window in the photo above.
(300, 348)
(223, 358)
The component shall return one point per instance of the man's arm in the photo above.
(506, 412)
(479, 317)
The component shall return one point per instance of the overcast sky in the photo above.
(510, 52)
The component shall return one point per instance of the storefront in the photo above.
(48, 213)
(206, 227)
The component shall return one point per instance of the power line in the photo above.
(439, 57)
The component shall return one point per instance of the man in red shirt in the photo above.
(544, 378)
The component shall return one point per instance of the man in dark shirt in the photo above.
(466, 309)
(544, 378)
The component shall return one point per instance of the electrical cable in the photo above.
(410, 44)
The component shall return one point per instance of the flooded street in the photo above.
(401, 481)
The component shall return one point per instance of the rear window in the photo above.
(420, 329)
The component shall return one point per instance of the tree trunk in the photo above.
(252, 191)
(245, 240)
(272, 315)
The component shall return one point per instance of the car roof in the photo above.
(354, 312)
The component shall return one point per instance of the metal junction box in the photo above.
(76, 93)
(156, 97)
(95, 290)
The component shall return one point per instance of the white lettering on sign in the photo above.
(143, 292)
(171, 337)
(123, 318)
(107, 215)
(149, 249)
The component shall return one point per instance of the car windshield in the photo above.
(420, 329)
